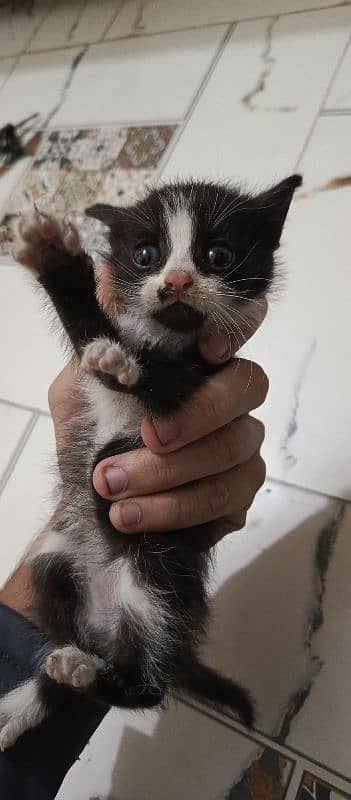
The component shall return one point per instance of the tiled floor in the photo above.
(249, 90)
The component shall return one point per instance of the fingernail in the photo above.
(130, 514)
(116, 479)
(219, 346)
(166, 430)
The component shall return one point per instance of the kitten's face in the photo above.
(191, 256)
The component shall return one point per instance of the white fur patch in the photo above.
(20, 710)
(115, 591)
(115, 413)
(180, 232)
(51, 542)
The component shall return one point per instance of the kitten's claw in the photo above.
(38, 231)
(70, 665)
(102, 355)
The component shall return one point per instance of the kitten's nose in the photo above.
(179, 281)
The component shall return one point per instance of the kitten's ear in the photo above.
(274, 204)
(109, 215)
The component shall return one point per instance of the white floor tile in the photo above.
(340, 94)
(321, 730)
(75, 23)
(263, 593)
(34, 355)
(37, 84)
(6, 65)
(163, 15)
(13, 422)
(178, 753)
(304, 345)
(238, 129)
(25, 504)
(153, 78)
(18, 25)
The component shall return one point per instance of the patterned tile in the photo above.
(74, 168)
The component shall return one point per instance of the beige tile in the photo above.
(77, 22)
(151, 79)
(13, 422)
(35, 355)
(243, 128)
(57, 29)
(339, 97)
(18, 24)
(25, 504)
(163, 15)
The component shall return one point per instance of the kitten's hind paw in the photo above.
(38, 233)
(71, 666)
(20, 710)
(102, 355)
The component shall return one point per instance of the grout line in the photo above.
(307, 490)
(111, 21)
(205, 25)
(196, 97)
(22, 407)
(256, 736)
(321, 106)
(336, 112)
(18, 450)
(38, 26)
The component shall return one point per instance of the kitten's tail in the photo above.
(204, 683)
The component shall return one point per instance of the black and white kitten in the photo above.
(123, 616)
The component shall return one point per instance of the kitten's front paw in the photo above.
(39, 232)
(102, 355)
(70, 665)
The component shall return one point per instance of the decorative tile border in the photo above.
(314, 788)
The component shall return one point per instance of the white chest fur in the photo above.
(114, 413)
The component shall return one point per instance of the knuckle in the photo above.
(164, 473)
(261, 381)
(259, 429)
(218, 496)
(174, 510)
(261, 471)
(224, 448)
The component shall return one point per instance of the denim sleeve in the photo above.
(35, 767)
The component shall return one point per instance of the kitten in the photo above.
(123, 616)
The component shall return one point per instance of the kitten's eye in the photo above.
(146, 256)
(218, 256)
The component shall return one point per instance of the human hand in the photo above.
(204, 465)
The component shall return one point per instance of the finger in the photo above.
(193, 504)
(218, 347)
(64, 401)
(235, 390)
(141, 472)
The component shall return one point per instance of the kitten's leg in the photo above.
(52, 251)
(20, 710)
(89, 673)
(104, 356)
